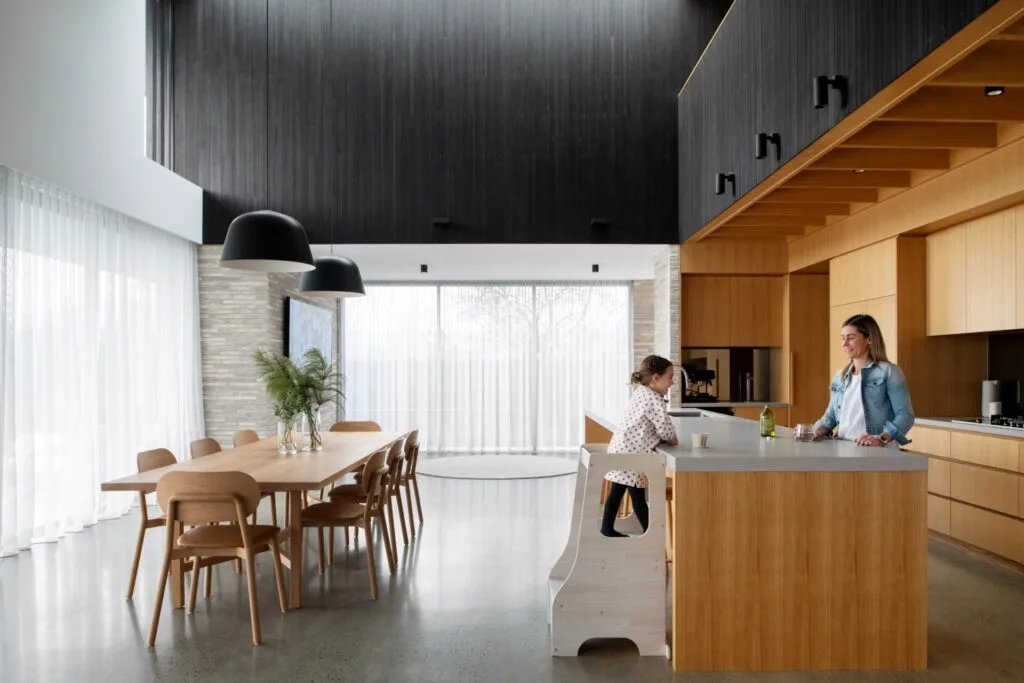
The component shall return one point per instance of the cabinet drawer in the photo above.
(929, 441)
(991, 451)
(989, 489)
(938, 514)
(988, 530)
(938, 477)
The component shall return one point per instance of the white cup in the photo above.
(698, 441)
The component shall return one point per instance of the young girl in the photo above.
(646, 425)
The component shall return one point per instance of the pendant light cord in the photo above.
(330, 38)
(267, 160)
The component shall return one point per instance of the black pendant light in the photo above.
(267, 241)
(334, 277)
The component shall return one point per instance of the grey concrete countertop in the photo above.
(730, 404)
(735, 445)
(947, 423)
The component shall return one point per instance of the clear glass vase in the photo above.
(310, 434)
(286, 437)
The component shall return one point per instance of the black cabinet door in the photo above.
(878, 40)
(797, 44)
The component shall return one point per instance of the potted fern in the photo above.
(299, 392)
(282, 382)
(320, 384)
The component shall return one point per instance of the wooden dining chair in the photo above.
(355, 426)
(408, 477)
(145, 461)
(200, 448)
(203, 499)
(356, 515)
(356, 493)
(244, 437)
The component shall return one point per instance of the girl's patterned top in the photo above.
(646, 425)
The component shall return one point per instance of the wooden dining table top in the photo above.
(342, 452)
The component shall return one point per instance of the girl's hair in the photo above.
(651, 366)
(868, 326)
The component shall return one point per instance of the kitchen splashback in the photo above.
(1006, 355)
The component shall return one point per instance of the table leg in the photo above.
(178, 576)
(295, 546)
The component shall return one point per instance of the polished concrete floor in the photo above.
(467, 604)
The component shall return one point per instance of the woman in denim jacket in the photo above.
(869, 403)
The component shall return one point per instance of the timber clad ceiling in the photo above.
(943, 124)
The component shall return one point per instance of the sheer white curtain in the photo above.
(505, 368)
(99, 356)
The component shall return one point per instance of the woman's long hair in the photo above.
(868, 326)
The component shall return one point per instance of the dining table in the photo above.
(293, 475)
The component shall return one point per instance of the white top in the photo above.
(646, 425)
(852, 424)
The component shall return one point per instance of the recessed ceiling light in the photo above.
(858, 170)
(994, 90)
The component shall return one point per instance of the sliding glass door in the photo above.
(506, 368)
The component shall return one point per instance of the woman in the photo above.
(869, 402)
(646, 425)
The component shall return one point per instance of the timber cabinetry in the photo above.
(731, 311)
(975, 488)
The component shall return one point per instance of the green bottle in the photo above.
(767, 422)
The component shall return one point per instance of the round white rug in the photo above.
(497, 467)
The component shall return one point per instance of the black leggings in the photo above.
(611, 505)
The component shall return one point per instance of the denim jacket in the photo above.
(886, 401)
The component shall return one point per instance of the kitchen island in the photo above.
(794, 556)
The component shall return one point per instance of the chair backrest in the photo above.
(206, 497)
(244, 437)
(203, 447)
(356, 426)
(412, 453)
(158, 457)
(395, 463)
(375, 473)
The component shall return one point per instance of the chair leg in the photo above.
(370, 562)
(391, 538)
(135, 560)
(320, 548)
(165, 569)
(278, 574)
(238, 566)
(419, 506)
(254, 608)
(384, 536)
(408, 506)
(346, 537)
(273, 508)
(401, 516)
(193, 585)
(207, 581)
(330, 546)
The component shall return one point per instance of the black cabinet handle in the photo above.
(721, 179)
(762, 145)
(821, 86)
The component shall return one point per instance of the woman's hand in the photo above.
(821, 432)
(674, 441)
(869, 440)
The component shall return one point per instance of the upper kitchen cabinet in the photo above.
(973, 275)
(757, 76)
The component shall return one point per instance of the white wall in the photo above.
(72, 83)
